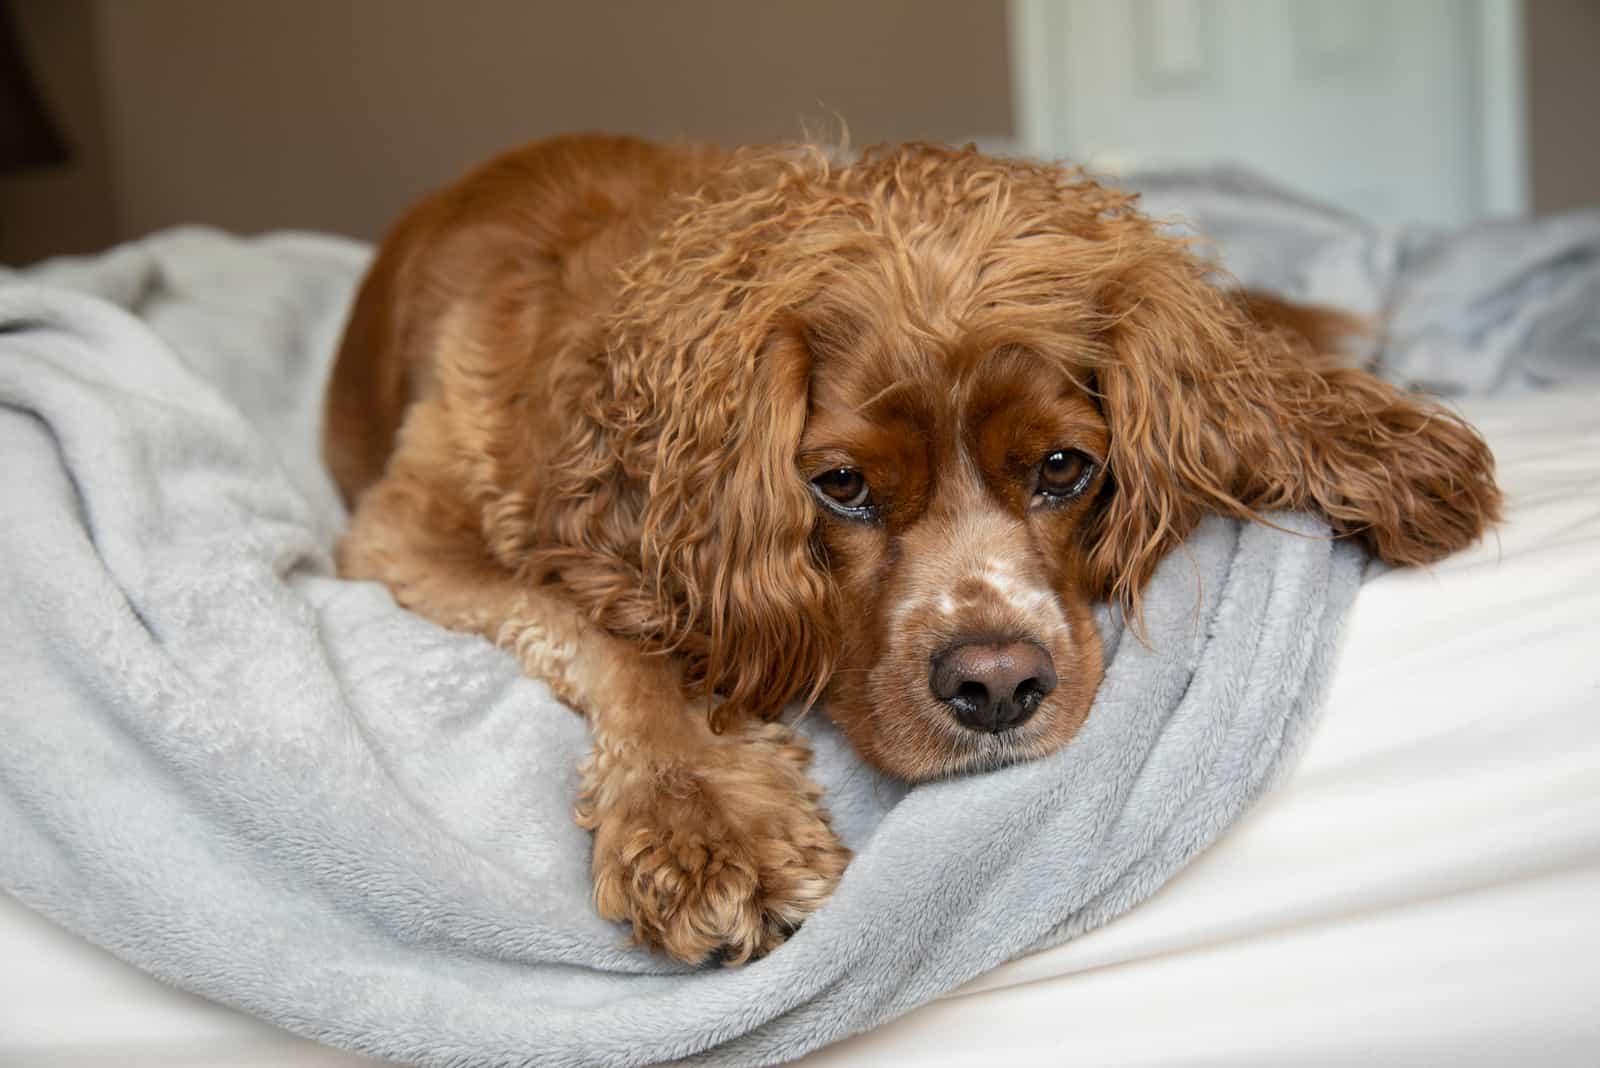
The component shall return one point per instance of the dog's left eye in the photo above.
(1063, 475)
(845, 490)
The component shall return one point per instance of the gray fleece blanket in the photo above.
(278, 790)
(1501, 307)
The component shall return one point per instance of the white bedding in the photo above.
(1422, 889)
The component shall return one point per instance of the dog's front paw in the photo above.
(725, 855)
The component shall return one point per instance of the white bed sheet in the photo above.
(1424, 887)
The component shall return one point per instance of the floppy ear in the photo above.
(1213, 409)
(710, 380)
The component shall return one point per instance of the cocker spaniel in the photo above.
(696, 434)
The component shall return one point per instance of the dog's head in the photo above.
(904, 421)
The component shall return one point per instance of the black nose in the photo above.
(992, 685)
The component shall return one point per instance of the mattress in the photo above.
(1420, 889)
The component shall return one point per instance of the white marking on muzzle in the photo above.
(1026, 598)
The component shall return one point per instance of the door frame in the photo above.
(1500, 136)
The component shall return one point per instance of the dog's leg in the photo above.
(705, 843)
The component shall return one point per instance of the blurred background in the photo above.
(118, 117)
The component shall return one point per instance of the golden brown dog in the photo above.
(696, 434)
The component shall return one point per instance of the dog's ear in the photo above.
(1214, 408)
(711, 379)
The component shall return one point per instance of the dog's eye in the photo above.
(845, 490)
(1064, 475)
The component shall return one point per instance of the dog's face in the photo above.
(906, 421)
(953, 484)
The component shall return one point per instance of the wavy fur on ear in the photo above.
(704, 407)
(1213, 409)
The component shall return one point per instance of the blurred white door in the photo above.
(1399, 110)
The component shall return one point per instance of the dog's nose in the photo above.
(992, 685)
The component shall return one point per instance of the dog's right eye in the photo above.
(845, 490)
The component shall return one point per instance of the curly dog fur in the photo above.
(697, 434)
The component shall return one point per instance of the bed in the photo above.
(1418, 890)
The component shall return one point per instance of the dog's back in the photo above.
(542, 223)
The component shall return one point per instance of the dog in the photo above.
(696, 434)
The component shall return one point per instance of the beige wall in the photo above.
(333, 114)
(1563, 47)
